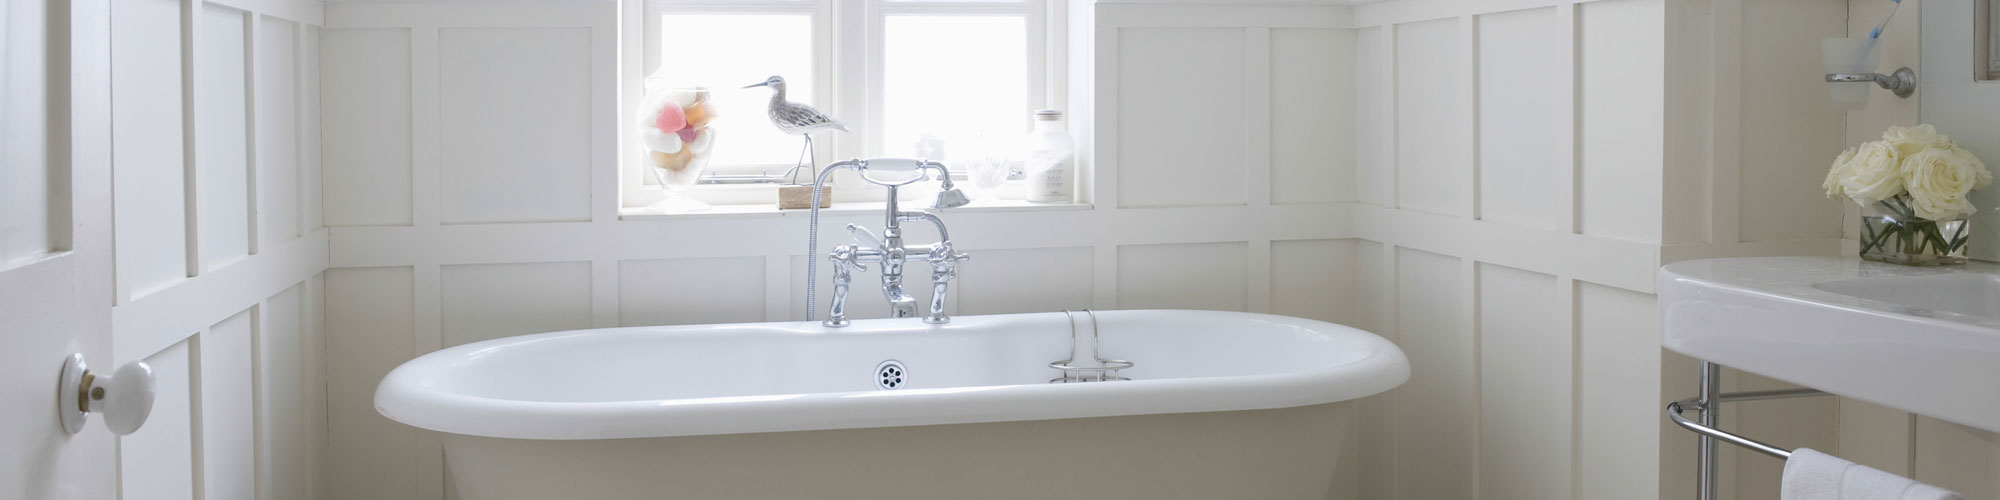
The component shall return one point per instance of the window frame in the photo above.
(848, 73)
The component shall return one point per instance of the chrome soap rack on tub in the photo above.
(1106, 370)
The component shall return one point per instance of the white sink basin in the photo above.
(1975, 295)
(1924, 340)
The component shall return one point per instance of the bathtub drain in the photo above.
(890, 375)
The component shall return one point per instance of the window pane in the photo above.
(725, 52)
(955, 77)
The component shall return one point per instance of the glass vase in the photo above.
(1891, 232)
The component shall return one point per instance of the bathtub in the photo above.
(1221, 405)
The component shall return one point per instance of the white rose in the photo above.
(1985, 176)
(1839, 170)
(1910, 140)
(1939, 179)
(1874, 173)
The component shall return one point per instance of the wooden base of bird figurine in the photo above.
(796, 197)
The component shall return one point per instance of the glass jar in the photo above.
(677, 158)
(1891, 232)
(1048, 165)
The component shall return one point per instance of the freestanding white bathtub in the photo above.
(1222, 405)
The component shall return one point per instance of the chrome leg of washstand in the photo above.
(1710, 412)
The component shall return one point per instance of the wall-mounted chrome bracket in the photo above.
(1903, 82)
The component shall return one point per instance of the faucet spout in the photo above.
(901, 304)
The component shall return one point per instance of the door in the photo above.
(55, 266)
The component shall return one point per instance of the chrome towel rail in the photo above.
(1674, 413)
(1707, 408)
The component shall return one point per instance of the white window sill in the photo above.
(850, 207)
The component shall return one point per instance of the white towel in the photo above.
(1811, 475)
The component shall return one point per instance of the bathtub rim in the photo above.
(401, 398)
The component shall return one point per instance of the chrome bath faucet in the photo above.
(889, 251)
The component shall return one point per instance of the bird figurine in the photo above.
(797, 119)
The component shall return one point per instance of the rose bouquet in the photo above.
(1913, 187)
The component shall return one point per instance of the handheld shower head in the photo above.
(950, 197)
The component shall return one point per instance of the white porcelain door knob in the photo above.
(124, 397)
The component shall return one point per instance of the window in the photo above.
(966, 74)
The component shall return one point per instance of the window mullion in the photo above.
(1022, 8)
(1038, 56)
(870, 41)
(727, 6)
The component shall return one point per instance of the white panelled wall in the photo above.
(218, 247)
(1491, 184)
(471, 194)
(1527, 165)
(1510, 185)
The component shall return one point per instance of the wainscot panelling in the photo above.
(1428, 106)
(1517, 108)
(1171, 158)
(367, 124)
(227, 358)
(1790, 132)
(509, 159)
(157, 461)
(1375, 151)
(218, 245)
(291, 425)
(1526, 346)
(1511, 189)
(1437, 410)
(1663, 143)
(276, 120)
(1187, 276)
(1804, 422)
(371, 327)
(222, 190)
(1311, 135)
(1027, 280)
(1617, 400)
(691, 291)
(1375, 267)
(487, 301)
(1311, 279)
(1766, 121)
(1620, 115)
(1957, 457)
(454, 222)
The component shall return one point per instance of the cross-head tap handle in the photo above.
(863, 235)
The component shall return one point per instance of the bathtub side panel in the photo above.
(1282, 454)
